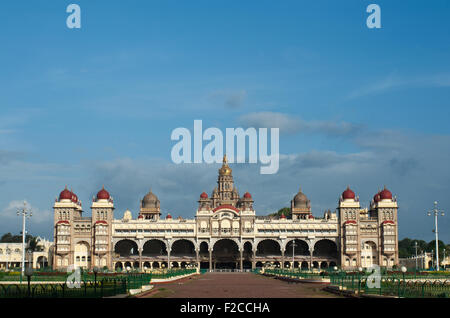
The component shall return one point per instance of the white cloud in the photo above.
(38, 215)
(393, 81)
(292, 124)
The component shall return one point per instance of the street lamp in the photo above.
(95, 270)
(415, 246)
(415, 269)
(29, 272)
(25, 213)
(436, 212)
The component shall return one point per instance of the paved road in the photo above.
(236, 285)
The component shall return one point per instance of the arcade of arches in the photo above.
(224, 254)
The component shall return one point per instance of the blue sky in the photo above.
(97, 106)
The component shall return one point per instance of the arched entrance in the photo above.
(325, 248)
(268, 248)
(126, 248)
(183, 248)
(82, 255)
(154, 248)
(41, 262)
(369, 255)
(225, 254)
(301, 248)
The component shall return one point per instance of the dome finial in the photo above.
(225, 161)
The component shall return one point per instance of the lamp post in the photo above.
(29, 272)
(436, 212)
(95, 270)
(415, 269)
(25, 213)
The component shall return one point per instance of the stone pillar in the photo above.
(140, 258)
(253, 258)
(311, 251)
(210, 259)
(241, 252)
(282, 259)
(197, 257)
(168, 259)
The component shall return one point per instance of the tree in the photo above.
(33, 244)
(286, 211)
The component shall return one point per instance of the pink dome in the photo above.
(103, 194)
(348, 194)
(386, 194)
(66, 194)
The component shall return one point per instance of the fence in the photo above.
(296, 273)
(87, 289)
(91, 285)
(392, 285)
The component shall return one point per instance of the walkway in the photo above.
(237, 285)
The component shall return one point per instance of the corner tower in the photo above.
(66, 209)
(102, 219)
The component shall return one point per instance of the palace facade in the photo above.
(226, 233)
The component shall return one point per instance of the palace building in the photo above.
(226, 233)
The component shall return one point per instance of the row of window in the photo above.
(297, 231)
(155, 231)
(9, 251)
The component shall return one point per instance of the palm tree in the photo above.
(33, 244)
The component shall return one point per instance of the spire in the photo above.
(225, 161)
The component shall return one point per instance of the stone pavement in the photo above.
(236, 285)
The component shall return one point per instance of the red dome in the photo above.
(283, 216)
(168, 216)
(385, 194)
(311, 216)
(65, 195)
(103, 194)
(74, 197)
(247, 195)
(140, 216)
(204, 195)
(376, 197)
(348, 194)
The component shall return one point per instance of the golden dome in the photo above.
(225, 170)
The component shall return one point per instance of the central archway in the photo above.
(154, 248)
(225, 254)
